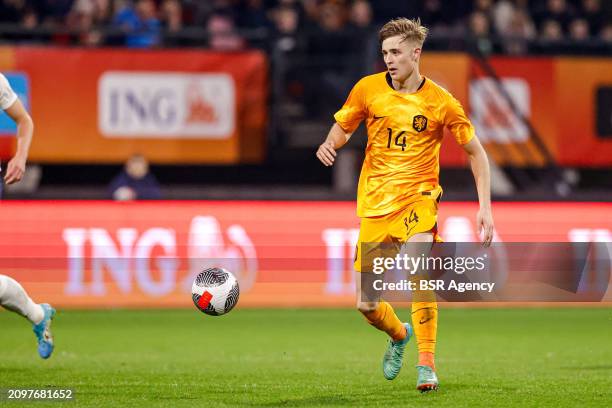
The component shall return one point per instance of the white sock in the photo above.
(14, 297)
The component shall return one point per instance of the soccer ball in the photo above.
(215, 291)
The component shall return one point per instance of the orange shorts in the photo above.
(396, 228)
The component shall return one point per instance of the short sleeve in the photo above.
(457, 121)
(354, 109)
(7, 95)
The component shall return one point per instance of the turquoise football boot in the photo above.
(427, 380)
(392, 360)
(43, 334)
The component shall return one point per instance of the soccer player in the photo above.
(12, 295)
(398, 193)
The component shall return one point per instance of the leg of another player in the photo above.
(14, 297)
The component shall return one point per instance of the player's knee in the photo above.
(367, 307)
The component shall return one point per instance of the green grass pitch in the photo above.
(526, 357)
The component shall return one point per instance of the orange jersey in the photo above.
(404, 137)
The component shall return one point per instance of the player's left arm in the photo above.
(480, 168)
(25, 129)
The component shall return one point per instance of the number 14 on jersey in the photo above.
(399, 137)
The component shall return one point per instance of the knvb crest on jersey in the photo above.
(419, 123)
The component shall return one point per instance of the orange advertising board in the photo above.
(557, 95)
(530, 83)
(103, 105)
(451, 71)
(284, 254)
(186, 106)
(577, 139)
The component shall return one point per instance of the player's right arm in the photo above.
(347, 119)
(336, 138)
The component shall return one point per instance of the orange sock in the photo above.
(385, 319)
(425, 325)
(427, 359)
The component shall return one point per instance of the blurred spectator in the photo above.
(518, 33)
(329, 39)
(502, 15)
(361, 14)
(52, 12)
(30, 19)
(551, 31)
(12, 11)
(140, 23)
(229, 8)
(480, 32)
(171, 19)
(579, 30)
(135, 182)
(222, 33)
(329, 77)
(88, 17)
(440, 17)
(592, 12)
(558, 10)
(363, 32)
(318, 26)
(253, 14)
(311, 14)
(484, 6)
(332, 17)
(479, 24)
(286, 20)
(431, 13)
(18, 12)
(197, 12)
(486, 9)
(171, 15)
(384, 10)
(287, 46)
(285, 29)
(606, 33)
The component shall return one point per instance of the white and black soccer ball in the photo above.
(215, 291)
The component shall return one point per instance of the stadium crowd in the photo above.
(237, 24)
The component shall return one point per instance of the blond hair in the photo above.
(408, 29)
